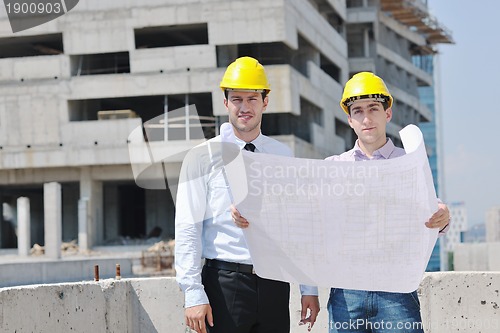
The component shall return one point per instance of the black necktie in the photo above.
(250, 147)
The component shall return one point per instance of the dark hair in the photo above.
(385, 105)
(264, 94)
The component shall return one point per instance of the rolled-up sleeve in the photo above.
(308, 290)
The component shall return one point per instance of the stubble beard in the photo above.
(243, 128)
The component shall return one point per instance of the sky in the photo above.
(469, 82)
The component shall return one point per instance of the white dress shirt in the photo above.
(204, 227)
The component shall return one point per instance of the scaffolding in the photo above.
(414, 13)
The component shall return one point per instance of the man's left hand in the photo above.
(439, 219)
(312, 303)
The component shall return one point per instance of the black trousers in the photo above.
(246, 303)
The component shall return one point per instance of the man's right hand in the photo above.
(239, 220)
(195, 317)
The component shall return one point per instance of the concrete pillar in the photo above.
(52, 203)
(1, 221)
(112, 226)
(165, 118)
(187, 120)
(366, 42)
(23, 226)
(443, 255)
(83, 224)
(92, 191)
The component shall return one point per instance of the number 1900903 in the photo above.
(34, 8)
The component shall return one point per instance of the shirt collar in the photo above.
(385, 151)
(227, 135)
(258, 142)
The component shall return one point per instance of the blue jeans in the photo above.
(362, 311)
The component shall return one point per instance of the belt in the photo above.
(229, 266)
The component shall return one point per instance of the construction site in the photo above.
(82, 94)
(74, 89)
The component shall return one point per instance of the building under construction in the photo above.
(73, 90)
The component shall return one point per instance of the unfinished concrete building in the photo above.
(74, 89)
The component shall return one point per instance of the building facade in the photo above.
(413, 13)
(460, 225)
(73, 90)
(456, 234)
(429, 130)
(480, 253)
(493, 225)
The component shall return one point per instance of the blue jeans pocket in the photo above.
(414, 296)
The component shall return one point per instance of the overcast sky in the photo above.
(470, 83)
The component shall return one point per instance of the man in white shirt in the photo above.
(225, 293)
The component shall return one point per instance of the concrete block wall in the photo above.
(29, 115)
(305, 21)
(175, 58)
(40, 67)
(86, 133)
(450, 302)
(461, 302)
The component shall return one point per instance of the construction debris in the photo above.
(70, 247)
(66, 248)
(159, 257)
(37, 250)
(163, 246)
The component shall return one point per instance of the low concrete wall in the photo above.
(53, 271)
(128, 305)
(461, 302)
(451, 302)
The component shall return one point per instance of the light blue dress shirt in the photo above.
(204, 227)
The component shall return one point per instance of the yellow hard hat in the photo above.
(365, 85)
(245, 73)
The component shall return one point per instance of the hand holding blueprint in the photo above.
(353, 225)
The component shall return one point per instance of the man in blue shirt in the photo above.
(368, 105)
